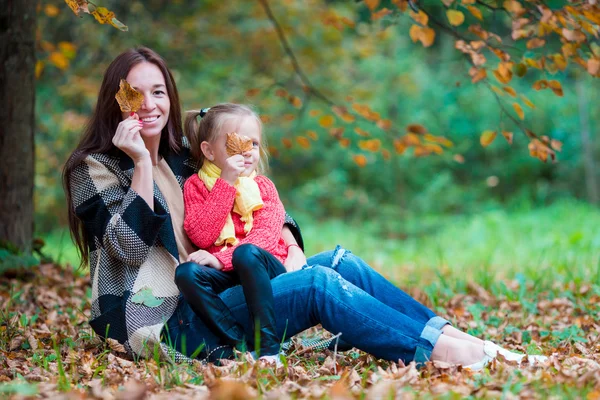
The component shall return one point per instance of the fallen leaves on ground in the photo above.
(48, 349)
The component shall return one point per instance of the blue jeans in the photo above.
(342, 293)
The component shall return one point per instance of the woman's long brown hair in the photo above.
(98, 134)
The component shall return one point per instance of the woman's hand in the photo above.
(296, 259)
(128, 139)
(233, 168)
(203, 257)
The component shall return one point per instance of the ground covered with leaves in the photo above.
(47, 350)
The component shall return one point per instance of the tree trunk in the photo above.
(591, 182)
(17, 121)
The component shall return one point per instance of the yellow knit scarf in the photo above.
(247, 200)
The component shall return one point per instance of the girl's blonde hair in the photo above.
(209, 126)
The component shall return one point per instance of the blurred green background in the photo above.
(498, 214)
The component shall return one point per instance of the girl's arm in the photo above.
(296, 258)
(206, 212)
(266, 228)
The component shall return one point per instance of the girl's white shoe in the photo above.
(491, 351)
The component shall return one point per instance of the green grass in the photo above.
(559, 243)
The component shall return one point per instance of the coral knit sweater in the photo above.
(206, 213)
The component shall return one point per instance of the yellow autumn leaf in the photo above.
(510, 91)
(527, 102)
(344, 142)
(312, 134)
(384, 124)
(415, 33)
(360, 160)
(51, 10)
(103, 15)
(487, 137)
(416, 129)
(295, 101)
(361, 132)
(476, 12)
(314, 113)
(455, 17)
(129, 99)
(326, 121)
(535, 43)
(78, 6)
(39, 67)
(372, 4)
(508, 136)
(556, 87)
(303, 142)
(477, 74)
(237, 144)
(519, 110)
(370, 145)
(419, 17)
(287, 143)
(427, 36)
(59, 60)
(539, 85)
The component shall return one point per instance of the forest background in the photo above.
(468, 208)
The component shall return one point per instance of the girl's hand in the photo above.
(203, 257)
(296, 259)
(233, 168)
(128, 139)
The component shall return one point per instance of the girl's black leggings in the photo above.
(253, 268)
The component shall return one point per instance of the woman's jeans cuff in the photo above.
(433, 329)
(431, 333)
(438, 322)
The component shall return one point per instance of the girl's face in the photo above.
(244, 126)
(147, 79)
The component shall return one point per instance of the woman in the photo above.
(124, 183)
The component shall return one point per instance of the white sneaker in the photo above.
(491, 351)
(512, 356)
(273, 359)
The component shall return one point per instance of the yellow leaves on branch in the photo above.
(101, 14)
(504, 72)
(455, 17)
(554, 85)
(477, 74)
(519, 110)
(543, 148)
(487, 137)
(475, 12)
(129, 99)
(420, 17)
(421, 33)
(425, 35)
(326, 121)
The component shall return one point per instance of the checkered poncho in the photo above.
(131, 247)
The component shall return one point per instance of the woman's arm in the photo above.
(206, 212)
(117, 216)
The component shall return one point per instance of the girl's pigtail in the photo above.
(190, 128)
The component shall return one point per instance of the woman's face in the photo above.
(147, 79)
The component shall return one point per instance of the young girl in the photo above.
(234, 215)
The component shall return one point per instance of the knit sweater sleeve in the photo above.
(206, 212)
(266, 228)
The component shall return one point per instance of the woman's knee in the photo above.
(245, 255)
